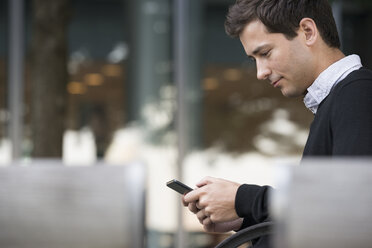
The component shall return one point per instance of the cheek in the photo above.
(282, 62)
(281, 67)
(297, 67)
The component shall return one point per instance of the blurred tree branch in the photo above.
(49, 75)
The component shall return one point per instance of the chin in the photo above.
(289, 93)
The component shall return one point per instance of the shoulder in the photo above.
(357, 83)
(351, 98)
(363, 74)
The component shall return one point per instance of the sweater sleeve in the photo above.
(251, 203)
(352, 126)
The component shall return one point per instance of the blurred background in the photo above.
(150, 81)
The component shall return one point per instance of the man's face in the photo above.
(285, 63)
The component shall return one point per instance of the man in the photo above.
(296, 48)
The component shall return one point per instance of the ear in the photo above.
(309, 30)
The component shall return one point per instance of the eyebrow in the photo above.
(259, 48)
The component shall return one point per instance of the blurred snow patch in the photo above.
(126, 146)
(79, 147)
(5, 152)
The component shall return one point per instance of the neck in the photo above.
(327, 58)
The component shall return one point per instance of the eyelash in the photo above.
(265, 54)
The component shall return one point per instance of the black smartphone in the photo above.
(178, 186)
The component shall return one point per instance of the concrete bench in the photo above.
(325, 203)
(49, 205)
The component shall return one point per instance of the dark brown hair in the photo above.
(283, 16)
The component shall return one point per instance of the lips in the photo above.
(275, 83)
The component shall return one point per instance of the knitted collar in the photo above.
(331, 76)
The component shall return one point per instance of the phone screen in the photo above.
(178, 186)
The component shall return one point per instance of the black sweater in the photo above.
(342, 127)
(343, 123)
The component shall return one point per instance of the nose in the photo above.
(263, 71)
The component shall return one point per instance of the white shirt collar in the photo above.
(331, 76)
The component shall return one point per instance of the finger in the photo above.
(192, 207)
(209, 228)
(207, 221)
(205, 181)
(192, 196)
(198, 205)
(185, 204)
(201, 220)
(201, 216)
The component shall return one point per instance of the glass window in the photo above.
(96, 67)
(3, 71)
(356, 19)
(5, 144)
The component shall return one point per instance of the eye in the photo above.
(266, 54)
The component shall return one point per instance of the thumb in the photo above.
(205, 181)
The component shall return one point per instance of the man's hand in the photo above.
(191, 206)
(224, 226)
(213, 201)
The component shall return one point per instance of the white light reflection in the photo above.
(118, 53)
